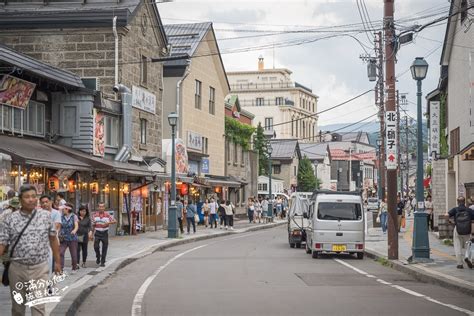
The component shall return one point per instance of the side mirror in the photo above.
(305, 215)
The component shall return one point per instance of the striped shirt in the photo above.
(100, 221)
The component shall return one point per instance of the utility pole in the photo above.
(407, 153)
(399, 151)
(389, 30)
(380, 102)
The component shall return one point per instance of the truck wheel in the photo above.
(292, 245)
(315, 255)
(298, 245)
(360, 255)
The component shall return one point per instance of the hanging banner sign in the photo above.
(434, 128)
(15, 92)
(391, 140)
(99, 134)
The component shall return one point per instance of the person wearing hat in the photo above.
(13, 205)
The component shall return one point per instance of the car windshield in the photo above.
(339, 211)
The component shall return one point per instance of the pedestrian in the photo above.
(59, 200)
(462, 217)
(400, 215)
(29, 233)
(84, 234)
(213, 212)
(101, 221)
(279, 206)
(229, 212)
(429, 211)
(5, 204)
(221, 211)
(179, 210)
(414, 207)
(264, 205)
(12, 206)
(67, 235)
(191, 211)
(46, 203)
(258, 211)
(250, 209)
(205, 210)
(383, 215)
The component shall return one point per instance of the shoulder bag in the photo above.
(6, 264)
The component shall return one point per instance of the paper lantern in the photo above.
(72, 187)
(184, 189)
(94, 187)
(217, 190)
(53, 184)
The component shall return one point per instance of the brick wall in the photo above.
(90, 53)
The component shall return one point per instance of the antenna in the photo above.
(273, 56)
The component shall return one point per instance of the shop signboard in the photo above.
(434, 127)
(99, 134)
(143, 100)
(15, 92)
(205, 165)
(194, 141)
(391, 140)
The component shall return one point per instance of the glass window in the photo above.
(236, 153)
(268, 123)
(279, 101)
(144, 70)
(197, 95)
(143, 130)
(339, 211)
(260, 101)
(69, 123)
(212, 100)
(276, 169)
(111, 131)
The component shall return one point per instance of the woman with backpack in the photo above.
(462, 217)
(68, 235)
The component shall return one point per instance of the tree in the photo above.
(307, 181)
(260, 144)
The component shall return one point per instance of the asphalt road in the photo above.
(258, 274)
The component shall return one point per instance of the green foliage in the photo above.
(383, 261)
(429, 170)
(307, 181)
(238, 133)
(260, 144)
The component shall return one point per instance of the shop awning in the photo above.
(224, 183)
(100, 164)
(37, 153)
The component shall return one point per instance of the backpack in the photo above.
(463, 221)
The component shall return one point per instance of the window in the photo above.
(262, 187)
(276, 169)
(295, 170)
(236, 154)
(260, 102)
(29, 121)
(279, 101)
(227, 150)
(292, 126)
(296, 127)
(197, 95)
(112, 131)
(268, 123)
(454, 141)
(242, 156)
(212, 100)
(143, 130)
(313, 107)
(144, 70)
(205, 144)
(339, 211)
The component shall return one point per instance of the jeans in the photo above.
(82, 245)
(230, 220)
(213, 220)
(250, 214)
(223, 220)
(72, 245)
(383, 221)
(98, 238)
(189, 221)
(180, 220)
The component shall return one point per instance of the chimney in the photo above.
(261, 65)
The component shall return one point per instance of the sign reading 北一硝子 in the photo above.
(15, 92)
(143, 100)
(194, 141)
(391, 139)
(434, 127)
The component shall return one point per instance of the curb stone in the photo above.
(70, 304)
(421, 275)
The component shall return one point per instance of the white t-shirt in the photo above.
(213, 207)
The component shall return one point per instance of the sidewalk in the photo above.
(441, 271)
(122, 251)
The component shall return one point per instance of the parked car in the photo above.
(336, 223)
(297, 224)
(373, 204)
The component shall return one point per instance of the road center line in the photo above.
(138, 299)
(408, 291)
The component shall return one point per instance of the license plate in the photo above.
(339, 248)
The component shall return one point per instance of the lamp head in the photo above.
(419, 68)
(173, 119)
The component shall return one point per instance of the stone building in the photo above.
(79, 37)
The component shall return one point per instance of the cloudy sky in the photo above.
(318, 50)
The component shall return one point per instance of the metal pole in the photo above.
(407, 154)
(350, 168)
(172, 214)
(391, 106)
(270, 203)
(421, 243)
(381, 116)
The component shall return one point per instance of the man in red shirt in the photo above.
(101, 220)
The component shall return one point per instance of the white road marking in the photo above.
(138, 299)
(370, 276)
(408, 291)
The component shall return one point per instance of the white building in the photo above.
(277, 186)
(274, 98)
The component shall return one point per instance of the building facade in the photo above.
(277, 101)
(320, 156)
(285, 159)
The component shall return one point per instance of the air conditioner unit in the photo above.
(92, 83)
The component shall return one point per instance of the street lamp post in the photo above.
(172, 213)
(421, 243)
